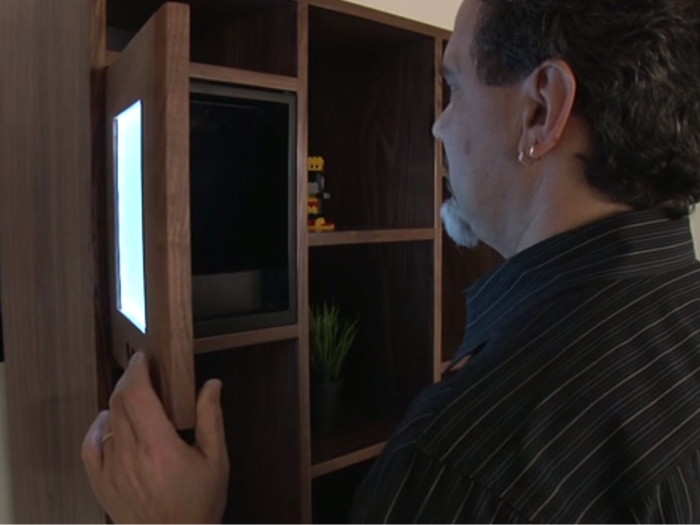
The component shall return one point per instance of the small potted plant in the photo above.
(331, 337)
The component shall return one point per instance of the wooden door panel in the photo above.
(148, 144)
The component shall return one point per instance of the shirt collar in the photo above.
(633, 244)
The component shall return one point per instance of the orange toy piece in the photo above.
(313, 207)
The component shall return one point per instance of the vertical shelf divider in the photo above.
(303, 253)
(437, 243)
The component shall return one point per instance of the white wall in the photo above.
(440, 13)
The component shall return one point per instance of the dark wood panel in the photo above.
(334, 493)
(371, 113)
(262, 414)
(444, 93)
(47, 256)
(259, 35)
(438, 187)
(107, 369)
(133, 14)
(353, 433)
(303, 259)
(388, 288)
(229, 75)
(260, 40)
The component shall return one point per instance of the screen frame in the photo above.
(289, 316)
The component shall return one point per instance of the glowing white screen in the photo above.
(131, 297)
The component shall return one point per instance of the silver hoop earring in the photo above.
(527, 159)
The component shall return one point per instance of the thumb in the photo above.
(210, 435)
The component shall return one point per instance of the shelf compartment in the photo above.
(339, 238)
(245, 339)
(371, 110)
(383, 286)
(262, 417)
(356, 437)
(256, 35)
(333, 494)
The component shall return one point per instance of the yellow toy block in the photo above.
(316, 163)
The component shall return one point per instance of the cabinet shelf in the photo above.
(242, 77)
(340, 238)
(348, 460)
(232, 75)
(354, 439)
(245, 339)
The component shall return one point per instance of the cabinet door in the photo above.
(148, 144)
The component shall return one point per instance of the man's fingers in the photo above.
(92, 445)
(144, 410)
(210, 434)
(120, 420)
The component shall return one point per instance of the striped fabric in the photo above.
(581, 402)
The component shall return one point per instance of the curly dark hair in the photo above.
(637, 66)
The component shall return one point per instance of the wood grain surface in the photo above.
(263, 430)
(46, 255)
(303, 236)
(154, 68)
(371, 108)
(389, 290)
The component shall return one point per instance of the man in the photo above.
(573, 139)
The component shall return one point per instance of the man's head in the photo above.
(565, 111)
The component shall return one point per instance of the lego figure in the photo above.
(317, 195)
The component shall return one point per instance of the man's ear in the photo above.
(549, 91)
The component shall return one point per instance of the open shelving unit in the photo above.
(367, 90)
(384, 288)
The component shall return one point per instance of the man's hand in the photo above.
(144, 472)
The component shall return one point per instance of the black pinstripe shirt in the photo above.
(581, 402)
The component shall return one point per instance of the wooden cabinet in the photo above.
(357, 87)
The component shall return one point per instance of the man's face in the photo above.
(479, 132)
